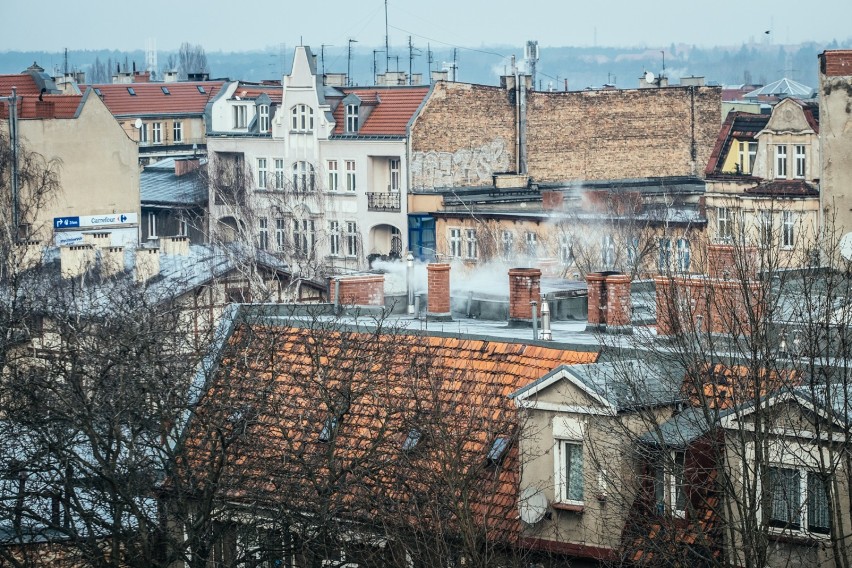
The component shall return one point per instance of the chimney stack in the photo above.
(147, 264)
(438, 299)
(610, 305)
(184, 166)
(74, 260)
(729, 261)
(112, 261)
(177, 246)
(361, 290)
(524, 287)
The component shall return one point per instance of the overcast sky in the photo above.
(52, 25)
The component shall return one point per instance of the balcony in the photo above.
(383, 201)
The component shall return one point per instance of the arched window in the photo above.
(303, 176)
(302, 118)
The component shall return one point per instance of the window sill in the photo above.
(570, 507)
(795, 536)
(301, 132)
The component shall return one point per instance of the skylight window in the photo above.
(328, 429)
(165, 90)
(412, 440)
(201, 89)
(98, 92)
(498, 450)
(132, 91)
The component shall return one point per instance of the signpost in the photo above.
(80, 221)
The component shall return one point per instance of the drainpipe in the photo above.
(533, 304)
(410, 281)
(336, 295)
(546, 334)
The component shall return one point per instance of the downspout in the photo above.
(522, 126)
(533, 306)
(517, 123)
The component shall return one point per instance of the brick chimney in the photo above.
(438, 290)
(75, 260)
(725, 260)
(45, 109)
(362, 290)
(610, 304)
(184, 166)
(524, 287)
(147, 263)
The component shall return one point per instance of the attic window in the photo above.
(132, 91)
(201, 89)
(352, 118)
(328, 429)
(498, 450)
(412, 440)
(165, 90)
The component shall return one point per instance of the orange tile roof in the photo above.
(278, 386)
(24, 83)
(52, 106)
(394, 108)
(183, 98)
(274, 92)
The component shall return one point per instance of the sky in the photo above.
(53, 25)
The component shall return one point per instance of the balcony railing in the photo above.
(382, 201)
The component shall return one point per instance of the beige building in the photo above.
(835, 81)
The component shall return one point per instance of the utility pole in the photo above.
(322, 56)
(429, 60)
(349, 63)
(411, 56)
(375, 67)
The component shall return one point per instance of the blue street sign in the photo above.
(66, 222)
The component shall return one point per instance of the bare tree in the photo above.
(191, 59)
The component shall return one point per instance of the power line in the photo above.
(500, 55)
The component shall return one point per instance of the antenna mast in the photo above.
(387, 40)
(349, 63)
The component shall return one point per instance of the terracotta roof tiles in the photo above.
(51, 106)
(183, 97)
(394, 107)
(24, 84)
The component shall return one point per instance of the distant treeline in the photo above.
(578, 67)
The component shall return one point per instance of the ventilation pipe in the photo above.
(546, 334)
(410, 281)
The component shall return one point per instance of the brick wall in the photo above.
(609, 300)
(438, 286)
(467, 132)
(367, 290)
(724, 306)
(524, 287)
(836, 63)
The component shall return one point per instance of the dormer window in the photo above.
(263, 118)
(352, 118)
(302, 118)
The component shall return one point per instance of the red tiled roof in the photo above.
(251, 92)
(394, 107)
(24, 83)
(286, 382)
(737, 126)
(784, 188)
(52, 106)
(183, 98)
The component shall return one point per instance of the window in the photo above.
(781, 162)
(165, 90)
(411, 440)
(566, 251)
(723, 223)
(498, 450)
(747, 156)
(350, 175)
(765, 228)
(394, 175)
(302, 118)
(280, 234)
(507, 244)
(351, 118)
(131, 91)
(333, 175)
(683, 255)
(633, 252)
(798, 499)
(261, 173)
(788, 224)
(532, 244)
(143, 134)
(239, 116)
(152, 225)
(201, 89)
(157, 133)
(183, 226)
(670, 484)
(303, 236)
(470, 241)
(607, 251)
(303, 176)
(279, 173)
(455, 243)
(665, 255)
(334, 238)
(800, 161)
(569, 472)
(263, 118)
(328, 429)
(263, 234)
(177, 131)
(351, 238)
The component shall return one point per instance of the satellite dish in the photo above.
(649, 77)
(138, 123)
(532, 505)
(845, 246)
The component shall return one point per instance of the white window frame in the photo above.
(764, 227)
(143, 134)
(302, 118)
(723, 223)
(471, 249)
(182, 226)
(351, 180)
(280, 173)
(531, 241)
(240, 114)
(454, 239)
(562, 477)
(665, 255)
(684, 255)
(803, 505)
(781, 161)
(566, 254)
(670, 481)
(334, 238)
(800, 153)
(607, 251)
(395, 177)
(507, 244)
(177, 131)
(788, 229)
(281, 234)
(262, 233)
(333, 175)
(352, 118)
(304, 177)
(262, 171)
(263, 118)
(304, 236)
(351, 239)
(156, 133)
(152, 225)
